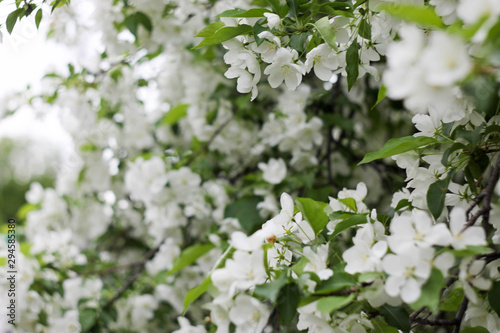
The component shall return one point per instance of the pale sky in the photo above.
(25, 57)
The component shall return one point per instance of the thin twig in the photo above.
(486, 197)
(137, 272)
(460, 314)
(210, 140)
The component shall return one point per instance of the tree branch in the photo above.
(137, 272)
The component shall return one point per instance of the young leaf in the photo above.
(12, 19)
(350, 203)
(237, 12)
(352, 67)
(131, 24)
(349, 222)
(144, 20)
(175, 114)
(326, 31)
(380, 327)
(38, 17)
(327, 305)
(493, 297)
(382, 93)
(340, 280)
(257, 29)
(195, 293)
(398, 146)
(288, 301)
(223, 34)
(189, 256)
(452, 302)
(365, 29)
(431, 292)
(436, 195)
(272, 289)
(293, 8)
(421, 15)
(313, 212)
(87, 318)
(396, 316)
(245, 210)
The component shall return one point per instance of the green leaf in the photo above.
(365, 29)
(298, 41)
(175, 114)
(224, 34)
(298, 267)
(436, 195)
(326, 31)
(131, 23)
(349, 222)
(382, 93)
(431, 292)
(288, 301)
(402, 204)
(350, 203)
(293, 8)
(144, 20)
(87, 318)
(454, 147)
(422, 15)
(313, 212)
(398, 146)
(396, 316)
(476, 329)
(257, 29)
(189, 256)
(278, 8)
(352, 67)
(452, 301)
(369, 277)
(340, 280)
(38, 17)
(245, 210)
(12, 19)
(471, 250)
(237, 12)
(380, 327)
(272, 289)
(195, 293)
(327, 305)
(494, 297)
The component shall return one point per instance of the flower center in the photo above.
(286, 71)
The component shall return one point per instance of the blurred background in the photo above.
(32, 144)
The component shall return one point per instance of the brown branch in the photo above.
(210, 140)
(486, 197)
(460, 314)
(137, 272)
(435, 322)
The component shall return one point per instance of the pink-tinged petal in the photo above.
(410, 292)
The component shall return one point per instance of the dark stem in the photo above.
(135, 275)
